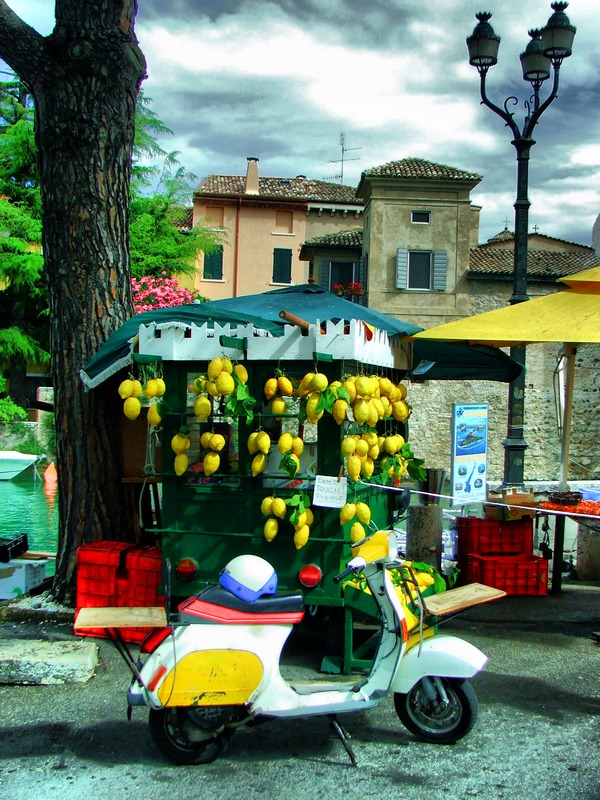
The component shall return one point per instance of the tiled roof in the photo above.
(418, 168)
(492, 261)
(299, 188)
(184, 218)
(350, 238)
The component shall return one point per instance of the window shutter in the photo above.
(213, 265)
(325, 275)
(440, 268)
(282, 265)
(401, 268)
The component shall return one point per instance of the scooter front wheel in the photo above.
(175, 733)
(438, 710)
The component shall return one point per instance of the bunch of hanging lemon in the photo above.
(360, 515)
(180, 444)
(212, 443)
(222, 379)
(313, 391)
(131, 391)
(301, 518)
(291, 448)
(361, 451)
(276, 389)
(259, 444)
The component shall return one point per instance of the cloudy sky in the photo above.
(283, 80)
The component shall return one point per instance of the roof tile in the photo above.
(300, 188)
(418, 169)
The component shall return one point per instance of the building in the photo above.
(265, 221)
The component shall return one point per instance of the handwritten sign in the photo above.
(330, 492)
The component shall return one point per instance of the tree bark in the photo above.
(84, 79)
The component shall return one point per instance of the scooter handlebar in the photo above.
(355, 565)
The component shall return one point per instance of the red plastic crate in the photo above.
(516, 574)
(488, 536)
(118, 574)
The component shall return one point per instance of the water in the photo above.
(28, 506)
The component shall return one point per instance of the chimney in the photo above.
(252, 176)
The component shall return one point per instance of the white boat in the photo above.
(13, 463)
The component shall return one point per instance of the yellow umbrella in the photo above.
(571, 317)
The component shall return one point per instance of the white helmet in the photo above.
(248, 577)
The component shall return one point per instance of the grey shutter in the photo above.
(325, 274)
(362, 278)
(401, 268)
(440, 268)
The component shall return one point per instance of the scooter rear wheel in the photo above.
(175, 733)
(441, 721)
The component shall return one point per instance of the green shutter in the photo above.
(325, 274)
(401, 268)
(282, 265)
(440, 268)
(213, 265)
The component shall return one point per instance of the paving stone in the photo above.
(36, 661)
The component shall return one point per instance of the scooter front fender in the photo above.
(440, 655)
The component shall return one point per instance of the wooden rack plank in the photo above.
(458, 599)
(121, 617)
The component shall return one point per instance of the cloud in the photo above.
(282, 80)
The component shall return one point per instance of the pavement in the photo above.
(537, 736)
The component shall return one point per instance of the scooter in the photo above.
(218, 667)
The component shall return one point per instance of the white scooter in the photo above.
(218, 667)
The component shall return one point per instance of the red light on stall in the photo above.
(186, 569)
(310, 576)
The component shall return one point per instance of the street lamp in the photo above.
(545, 52)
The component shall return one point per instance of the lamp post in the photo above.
(544, 53)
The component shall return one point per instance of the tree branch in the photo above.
(21, 46)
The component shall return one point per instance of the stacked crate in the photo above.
(118, 574)
(499, 553)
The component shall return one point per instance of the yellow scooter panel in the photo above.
(212, 678)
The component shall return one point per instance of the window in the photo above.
(420, 217)
(421, 269)
(337, 273)
(282, 265)
(213, 265)
(284, 222)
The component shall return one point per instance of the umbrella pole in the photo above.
(569, 351)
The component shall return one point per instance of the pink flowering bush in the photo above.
(149, 293)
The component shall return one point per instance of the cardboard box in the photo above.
(511, 505)
(20, 576)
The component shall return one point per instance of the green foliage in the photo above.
(9, 411)
(17, 346)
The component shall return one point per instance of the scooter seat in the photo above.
(215, 596)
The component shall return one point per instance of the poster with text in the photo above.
(469, 453)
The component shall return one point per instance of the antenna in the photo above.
(342, 160)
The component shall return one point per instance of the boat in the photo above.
(13, 463)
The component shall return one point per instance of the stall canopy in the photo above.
(312, 304)
(437, 361)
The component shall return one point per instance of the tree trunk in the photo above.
(84, 78)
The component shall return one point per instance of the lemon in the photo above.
(319, 382)
(364, 386)
(363, 512)
(270, 388)
(132, 408)
(211, 462)
(211, 388)
(252, 443)
(259, 462)
(205, 439)
(242, 373)
(181, 463)
(202, 407)
(362, 447)
(271, 529)
(285, 443)
(224, 383)
(390, 445)
(373, 452)
(226, 365)
(350, 387)
(151, 388)
(310, 517)
(154, 417)
(400, 411)
(301, 521)
(305, 383)
(180, 443)
(266, 506)
(402, 390)
(215, 368)
(301, 537)
(294, 457)
(357, 532)
(373, 414)
(263, 442)
(370, 437)
(284, 385)
(367, 467)
(278, 406)
(137, 389)
(339, 411)
(125, 389)
(279, 507)
(347, 512)
(217, 442)
(360, 409)
(353, 467)
(348, 446)
(311, 406)
(385, 385)
(297, 446)
(161, 387)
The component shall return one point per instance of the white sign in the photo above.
(469, 453)
(330, 492)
